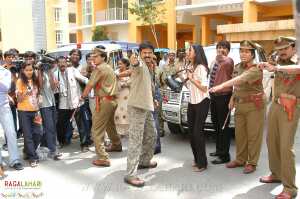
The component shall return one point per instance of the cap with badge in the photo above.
(283, 42)
(172, 51)
(246, 44)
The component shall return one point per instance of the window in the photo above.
(57, 14)
(87, 12)
(59, 36)
(0, 36)
(72, 38)
(72, 18)
(73, 1)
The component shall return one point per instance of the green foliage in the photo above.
(99, 34)
(148, 11)
(149, 14)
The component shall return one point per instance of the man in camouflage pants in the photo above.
(142, 133)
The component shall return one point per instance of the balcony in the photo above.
(112, 16)
(197, 7)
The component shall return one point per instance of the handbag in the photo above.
(38, 119)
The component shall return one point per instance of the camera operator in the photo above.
(9, 56)
(47, 86)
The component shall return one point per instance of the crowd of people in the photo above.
(40, 103)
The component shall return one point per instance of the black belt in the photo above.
(220, 94)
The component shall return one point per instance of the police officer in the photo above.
(180, 61)
(283, 117)
(249, 101)
(103, 80)
(168, 69)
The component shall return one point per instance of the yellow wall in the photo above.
(167, 33)
(17, 26)
(50, 24)
(79, 20)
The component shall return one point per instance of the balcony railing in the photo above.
(184, 2)
(112, 14)
(194, 2)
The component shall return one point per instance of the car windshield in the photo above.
(113, 56)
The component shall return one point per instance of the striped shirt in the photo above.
(213, 75)
(196, 95)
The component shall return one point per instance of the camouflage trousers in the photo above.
(142, 137)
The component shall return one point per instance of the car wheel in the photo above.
(174, 128)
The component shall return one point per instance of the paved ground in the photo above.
(75, 177)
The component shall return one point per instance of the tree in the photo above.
(148, 13)
(99, 34)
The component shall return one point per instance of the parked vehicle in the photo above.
(114, 50)
(174, 106)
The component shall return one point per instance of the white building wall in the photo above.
(12, 36)
(118, 32)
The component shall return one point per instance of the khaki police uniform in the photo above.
(250, 111)
(103, 80)
(281, 128)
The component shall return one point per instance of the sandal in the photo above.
(136, 182)
(196, 169)
(33, 163)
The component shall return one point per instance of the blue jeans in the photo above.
(32, 133)
(49, 127)
(7, 122)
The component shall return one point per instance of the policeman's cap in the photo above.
(172, 52)
(246, 44)
(283, 42)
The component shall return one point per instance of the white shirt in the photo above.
(196, 95)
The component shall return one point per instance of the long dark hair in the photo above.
(25, 79)
(125, 61)
(200, 57)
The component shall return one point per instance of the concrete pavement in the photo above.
(75, 177)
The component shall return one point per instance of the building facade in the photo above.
(190, 21)
(36, 24)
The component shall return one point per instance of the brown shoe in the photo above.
(114, 148)
(285, 195)
(233, 164)
(249, 169)
(137, 182)
(269, 179)
(2, 171)
(101, 163)
(150, 166)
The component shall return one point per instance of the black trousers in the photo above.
(197, 114)
(64, 115)
(219, 110)
(32, 133)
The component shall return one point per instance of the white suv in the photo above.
(174, 106)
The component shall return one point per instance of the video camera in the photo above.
(44, 62)
(17, 65)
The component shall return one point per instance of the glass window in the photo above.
(57, 14)
(72, 38)
(87, 12)
(73, 1)
(72, 18)
(59, 36)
